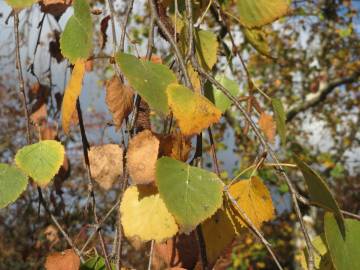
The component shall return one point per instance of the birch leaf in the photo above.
(12, 183)
(193, 111)
(145, 215)
(267, 125)
(65, 260)
(106, 164)
(20, 3)
(206, 48)
(344, 249)
(119, 99)
(76, 40)
(148, 79)
(256, 37)
(190, 193)
(72, 92)
(41, 161)
(280, 118)
(141, 157)
(261, 12)
(254, 199)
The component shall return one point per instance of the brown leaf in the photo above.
(48, 132)
(175, 145)
(106, 164)
(119, 99)
(54, 47)
(39, 115)
(65, 260)
(268, 126)
(141, 157)
(55, 7)
(180, 252)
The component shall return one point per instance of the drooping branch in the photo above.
(320, 96)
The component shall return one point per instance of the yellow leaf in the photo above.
(268, 126)
(144, 215)
(193, 111)
(219, 231)
(194, 78)
(141, 157)
(72, 92)
(254, 199)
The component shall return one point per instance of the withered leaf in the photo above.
(65, 260)
(106, 164)
(119, 99)
(55, 7)
(268, 126)
(175, 145)
(103, 27)
(141, 157)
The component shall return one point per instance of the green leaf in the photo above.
(280, 118)
(191, 194)
(261, 12)
(96, 263)
(206, 48)
(319, 191)
(20, 3)
(217, 97)
(41, 161)
(12, 183)
(256, 37)
(76, 40)
(344, 251)
(147, 78)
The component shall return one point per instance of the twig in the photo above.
(252, 227)
(124, 25)
(20, 76)
(151, 254)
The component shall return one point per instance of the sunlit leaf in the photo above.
(72, 92)
(221, 101)
(65, 260)
(260, 12)
(76, 40)
(12, 183)
(106, 164)
(267, 125)
(319, 191)
(344, 249)
(190, 193)
(20, 3)
(206, 48)
(148, 79)
(193, 111)
(256, 37)
(141, 157)
(280, 118)
(41, 161)
(254, 199)
(145, 215)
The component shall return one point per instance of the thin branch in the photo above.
(20, 76)
(151, 255)
(320, 96)
(124, 25)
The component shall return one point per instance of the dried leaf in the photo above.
(175, 145)
(144, 214)
(72, 92)
(65, 260)
(39, 115)
(141, 157)
(106, 164)
(179, 252)
(119, 99)
(268, 126)
(54, 47)
(55, 7)
(254, 199)
(193, 111)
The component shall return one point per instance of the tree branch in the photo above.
(320, 96)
